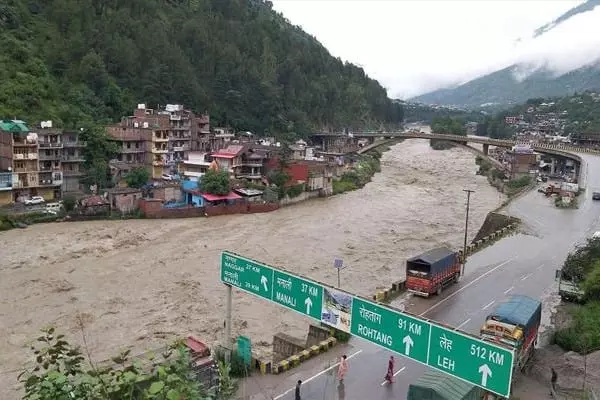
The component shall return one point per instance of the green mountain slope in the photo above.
(80, 60)
(501, 87)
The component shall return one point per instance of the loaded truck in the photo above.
(434, 385)
(430, 272)
(515, 324)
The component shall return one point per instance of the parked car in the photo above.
(34, 200)
(167, 177)
(596, 196)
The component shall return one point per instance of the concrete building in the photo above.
(42, 161)
(521, 163)
(159, 140)
(196, 165)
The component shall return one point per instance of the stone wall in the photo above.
(241, 208)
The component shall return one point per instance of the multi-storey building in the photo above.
(72, 161)
(46, 162)
(159, 139)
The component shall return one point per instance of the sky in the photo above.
(416, 46)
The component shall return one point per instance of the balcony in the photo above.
(72, 158)
(74, 143)
(32, 156)
(50, 145)
(160, 139)
(158, 163)
(133, 150)
(163, 150)
(181, 148)
(25, 143)
(51, 156)
(252, 163)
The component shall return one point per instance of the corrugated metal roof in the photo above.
(518, 309)
(444, 385)
(432, 256)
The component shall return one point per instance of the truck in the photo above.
(515, 324)
(430, 272)
(568, 289)
(435, 385)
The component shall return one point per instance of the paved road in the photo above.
(517, 264)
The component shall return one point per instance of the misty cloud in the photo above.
(571, 45)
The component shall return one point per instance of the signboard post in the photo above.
(455, 353)
(338, 264)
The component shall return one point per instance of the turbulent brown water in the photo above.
(139, 282)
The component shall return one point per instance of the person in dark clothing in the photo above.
(553, 382)
(298, 390)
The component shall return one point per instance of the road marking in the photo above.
(488, 304)
(395, 373)
(466, 286)
(317, 375)
(463, 324)
(525, 277)
(509, 289)
(540, 267)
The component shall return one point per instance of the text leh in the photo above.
(478, 351)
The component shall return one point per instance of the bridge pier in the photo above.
(486, 149)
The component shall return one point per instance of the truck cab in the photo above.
(515, 324)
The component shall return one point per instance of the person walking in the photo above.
(298, 390)
(343, 368)
(553, 380)
(389, 377)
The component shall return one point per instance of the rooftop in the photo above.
(15, 126)
(214, 197)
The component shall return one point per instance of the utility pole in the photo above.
(464, 260)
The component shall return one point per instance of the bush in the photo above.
(69, 202)
(584, 335)
(238, 368)
(341, 336)
(295, 190)
(341, 186)
(520, 182)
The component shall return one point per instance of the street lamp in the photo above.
(464, 258)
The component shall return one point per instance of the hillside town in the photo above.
(176, 147)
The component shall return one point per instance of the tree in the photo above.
(60, 373)
(98, 152)
(215, 182)
(74, 61)
(448, 126)
(137, 177)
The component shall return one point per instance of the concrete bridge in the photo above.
(349, 144)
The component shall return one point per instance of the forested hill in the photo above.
(82, 60)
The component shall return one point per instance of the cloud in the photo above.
(416, 46)
(571, 45)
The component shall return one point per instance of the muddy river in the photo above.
(138, 283)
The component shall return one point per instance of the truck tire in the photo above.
(438, 291)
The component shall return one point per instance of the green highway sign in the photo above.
(390, 329)
(247, 275)
(465, 357)
(473, 360)
(298, 294)
(288, 290)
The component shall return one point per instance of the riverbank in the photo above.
(140, 283)
(361, 172)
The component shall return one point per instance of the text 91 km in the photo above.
(484, 354)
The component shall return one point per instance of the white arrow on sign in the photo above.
(308, 303)
(264, 281)
(485, 372)
(408, 343)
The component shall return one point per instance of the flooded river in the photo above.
(139, 282)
